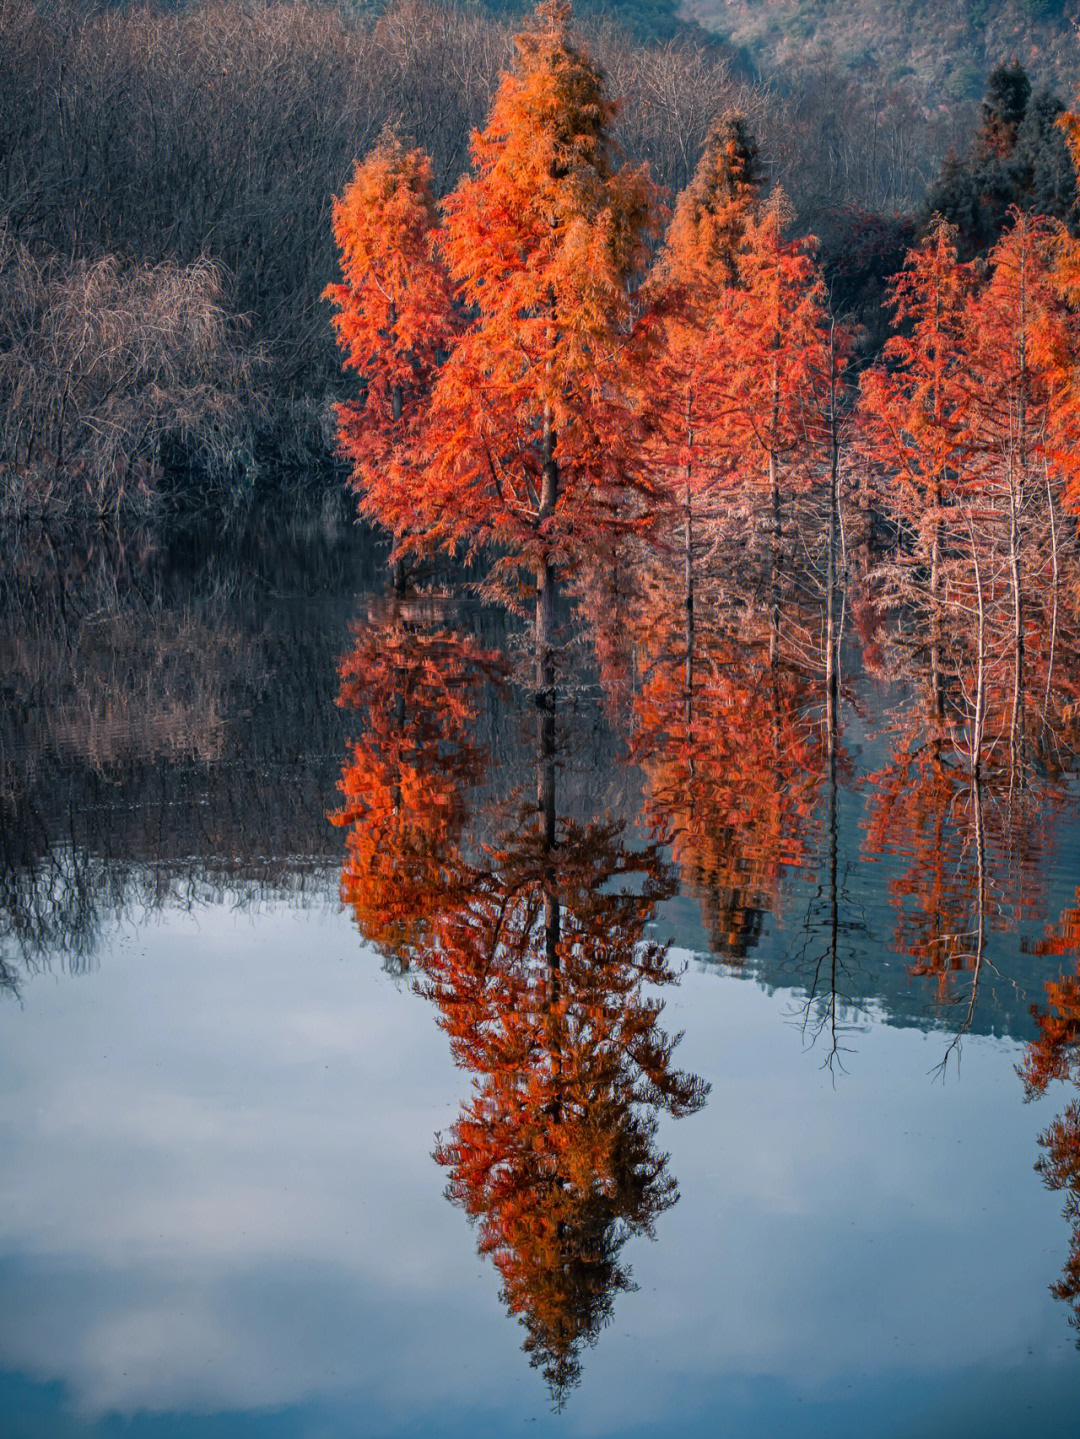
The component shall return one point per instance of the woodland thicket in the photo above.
(554, 372)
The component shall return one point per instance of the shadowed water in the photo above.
(343, 1090)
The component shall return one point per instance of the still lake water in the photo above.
(222, 1212)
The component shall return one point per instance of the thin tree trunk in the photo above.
(398, 567)
(975, 757)
(545, 702)
(1054, 601)
(1015, 727)
(831, 636)
(936, 686)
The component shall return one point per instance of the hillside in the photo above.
(942, 50)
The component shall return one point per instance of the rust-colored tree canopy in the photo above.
(394, 319)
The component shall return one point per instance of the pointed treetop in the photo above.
(557, 90)
(713, 211)
(1007, 93)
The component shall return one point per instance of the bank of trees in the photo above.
(556, 379)
(660, 415)
(211, 139)
(666, 420)
(215, 136)
(559, 393)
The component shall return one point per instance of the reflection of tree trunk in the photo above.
(832, 684)
(545, 700)
(545, 799)
(980, 915)
(399, 718)
(1054, 599)
(398, 568)
(936, 685)
(833, 858)
(980, 865)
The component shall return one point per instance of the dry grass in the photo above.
(103, 365)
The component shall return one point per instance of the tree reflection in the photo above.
(1054, 1055)
(415, 683)
(974, 775)
(542, 977)
(729, 756)
(527, 930)
(735, 722)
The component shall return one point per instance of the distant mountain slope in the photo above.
(645, 19)
(942, 49)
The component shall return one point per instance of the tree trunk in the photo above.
(936, 684)
(545, 700)
(398, 567)
(689, 599)
(975, 753)
(832, 638)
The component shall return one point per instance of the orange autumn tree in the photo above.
(704, 240)
(530, 437)
(912, 401)
(1068, 261)
(394, 318)
(777, 363)
(1021, 414)
(682, 372)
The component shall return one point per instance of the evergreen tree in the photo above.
(1018, 157)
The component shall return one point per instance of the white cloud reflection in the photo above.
(218, 1193)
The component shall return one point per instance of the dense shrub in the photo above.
(103, 364)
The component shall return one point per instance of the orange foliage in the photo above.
(731, 778)
(1021, 355)
(394, 317)
(531, 441)
(921, 811)
(409, 772)
(778, 358)
(683, 373)
(912, 402)
(1055, 1055)
(540, 979)
(705, 237)
(528, 936)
